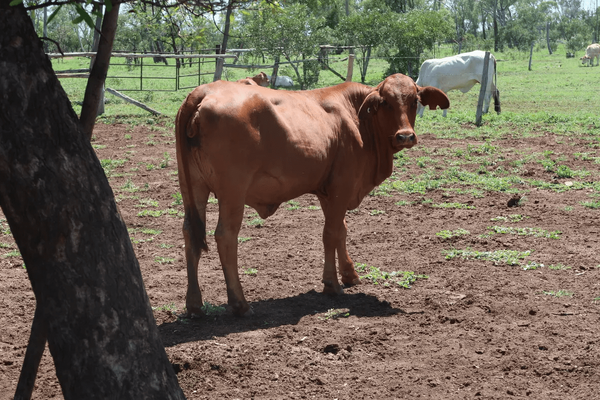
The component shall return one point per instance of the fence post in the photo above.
(482, 90)
(218, 65)
(350, 67)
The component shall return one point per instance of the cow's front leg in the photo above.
(333, 231)
(346, 266)
(226, 236)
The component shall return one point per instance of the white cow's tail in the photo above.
(496, 91)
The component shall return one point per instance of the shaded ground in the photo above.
(472, 329)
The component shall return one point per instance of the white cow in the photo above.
(282, 81)
(459, 72)
(592, 51)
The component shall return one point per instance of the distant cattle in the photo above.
(460, 72)
(260, 79)
(281, 81)
(262, 147)
(592, 51)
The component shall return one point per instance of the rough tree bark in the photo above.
(62, 213)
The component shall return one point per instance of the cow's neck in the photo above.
(375, 143)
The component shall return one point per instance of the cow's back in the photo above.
(277, 144)
(459, 72)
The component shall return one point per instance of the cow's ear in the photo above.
(433, 97)
(370, 105)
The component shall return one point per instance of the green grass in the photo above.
(447, 234)
(335, 313)
(508, 257)
(376, 276)
(537, 232)
(558, 293)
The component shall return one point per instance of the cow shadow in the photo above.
(272, 313)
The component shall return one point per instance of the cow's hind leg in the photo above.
(194, 234)
(231, 215)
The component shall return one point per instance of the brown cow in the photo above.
(262, 147)
(260, 79)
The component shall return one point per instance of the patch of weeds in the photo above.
(568, 208)
(166, 307)
(165, 246)
(591, 204)
(453, 205)
(402, 203)
(149, 231)
(211, 309)
(150, 213)
(537, 232)
(251, 271)
(558, 293)
(151, 143)
(127, 136)
(150, 166)
(5, 228)
(5, 245)
(532, 265)
(147, 203)
(129, 186)
(334, 313)
(257, 221)
(14, 253)
(376, 212)
(178, 200)
(98, 146)
(447, 234)
(210, 232)
(313, 207)
(509, 257)
(511, 218)
(213, 200)
(376, 276)
(166, 159)
(293, 205)
(559, 267)
(109, 165)
(163, 260)
(174, 212)
(243, 239)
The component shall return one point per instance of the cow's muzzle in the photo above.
(405, 140)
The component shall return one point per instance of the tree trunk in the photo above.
(63, 216)
(495, 25)
(548, 38)
(220, 61)
(531, 54)
(94, 89)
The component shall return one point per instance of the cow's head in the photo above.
(585, 59)
(261, 79)
(392, 106)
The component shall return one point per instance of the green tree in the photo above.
(412, 33)
(292, 33)
(365, 30)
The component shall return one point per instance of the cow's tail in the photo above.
(496, 91)
(193, 188)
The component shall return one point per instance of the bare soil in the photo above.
(472, 329)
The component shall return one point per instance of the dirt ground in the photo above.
(471, 329)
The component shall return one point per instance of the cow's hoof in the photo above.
(351, 280)
(241, 309)
(332, 288)
(193, 313)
